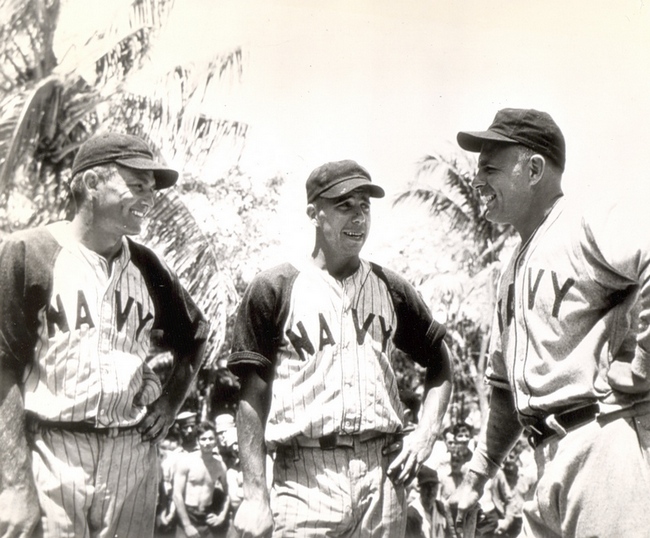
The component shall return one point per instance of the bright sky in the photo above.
(386, 82)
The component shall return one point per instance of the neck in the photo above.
(338, 267)
(536, 215)
(89, 236)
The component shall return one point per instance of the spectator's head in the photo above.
(412, 403)
(186, 424)
(224, 425)
(462, 433)
(207, 437)
(512, 462)
(428, 484)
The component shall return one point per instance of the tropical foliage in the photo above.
(460, 285)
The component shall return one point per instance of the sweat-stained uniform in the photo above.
(574, 298)
(79, 335)
(326, 347)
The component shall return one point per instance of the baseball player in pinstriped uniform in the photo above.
(81, 306)
(312, 348)
(570, 360)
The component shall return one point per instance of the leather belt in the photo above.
(35, 424)
(338, 440)
(559, 423)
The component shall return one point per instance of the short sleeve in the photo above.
(257, 333)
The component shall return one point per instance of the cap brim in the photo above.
(165, 177)
(474, 140)
(347, 186)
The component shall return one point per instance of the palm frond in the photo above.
(171, 114)
(26, 35)
(26, 117)
(174, 233)
(118, 46)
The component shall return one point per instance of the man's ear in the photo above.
(312, 213)
(537, 165)
(90, 180)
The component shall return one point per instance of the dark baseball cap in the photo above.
(334, 179)
(531, 128)
(125, 150)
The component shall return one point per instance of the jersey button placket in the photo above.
(105, 333)
(347, 365)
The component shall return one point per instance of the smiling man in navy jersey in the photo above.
(570, 355)
(81, 308)
(312, 348)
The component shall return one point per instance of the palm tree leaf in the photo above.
(171, 115)
(26, 37)
(174, 233)
(28, 115)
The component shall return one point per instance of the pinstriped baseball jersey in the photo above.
(327, 346)
(87, 330)
(570, 301)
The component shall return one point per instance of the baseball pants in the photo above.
(95, 485)
(341, 492)
(595, 482)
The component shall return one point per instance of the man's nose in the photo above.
(359, 216)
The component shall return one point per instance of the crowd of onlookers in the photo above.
(201, 482)
(429, 514)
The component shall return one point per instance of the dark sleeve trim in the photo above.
(179, 324)
(26, 261)
(261, 317)
(417, 333)
(241, 362)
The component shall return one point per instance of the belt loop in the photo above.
(295, 449)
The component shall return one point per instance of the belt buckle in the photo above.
(329, 442)
(552, 422)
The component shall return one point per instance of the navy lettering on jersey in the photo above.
(325, 333)
(143, 319)
(361, 331)
(532, 291)
(510, 308)
(560, 293)
(300, 342)
(122, 314)
(385, 333)
(83, 312)
(56, 317)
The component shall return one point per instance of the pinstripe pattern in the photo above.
(345, 381)
(93, 341)
(95, 484)
(342, 492)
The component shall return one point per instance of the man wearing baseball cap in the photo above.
(81, 308)
(569, 363)
(312, 349)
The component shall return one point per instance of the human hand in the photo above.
(254, 519)
(214, 520)
(464, 502)
(19, 512)
(621, 378)
(413, 449)
(191, 531)
(502, 526)
(159, 418)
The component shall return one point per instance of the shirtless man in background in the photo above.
(200, 488)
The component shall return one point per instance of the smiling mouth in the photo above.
(138, 213)
(488, 198)
(354, 235)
